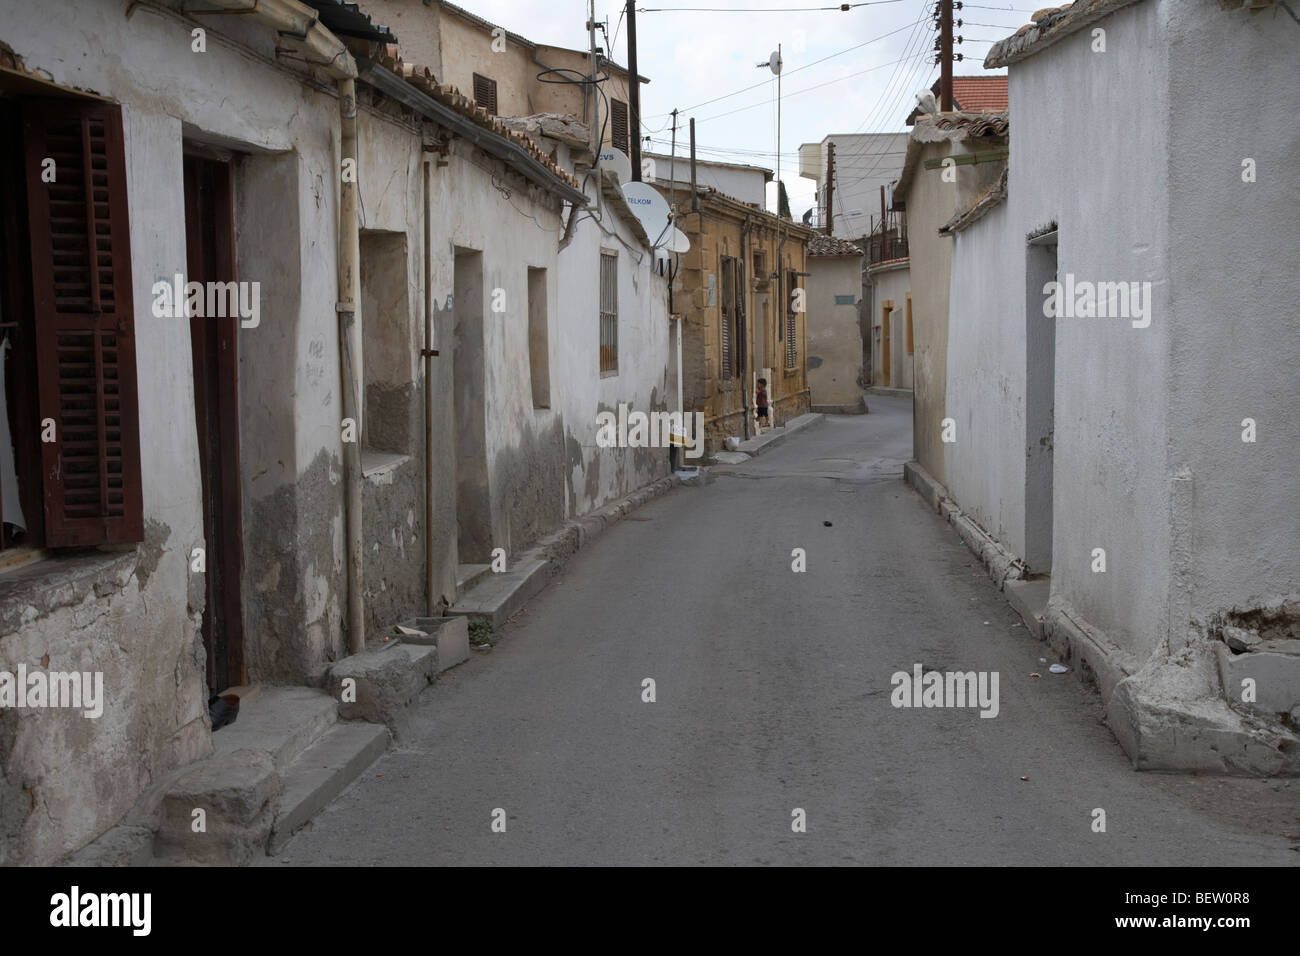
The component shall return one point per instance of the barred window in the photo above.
(608, 314)
(791, 318)
(727, 272)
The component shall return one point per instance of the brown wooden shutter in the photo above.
(618, 124)
(485, 93)
(85, 342)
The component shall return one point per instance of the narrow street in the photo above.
(773, 693)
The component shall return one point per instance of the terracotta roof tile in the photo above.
(424, 81)
(975, 94)
(823, 245)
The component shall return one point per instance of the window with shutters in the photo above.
(727, 273)
(618, 124)
(74, 415)
(791, 320)
(608, 313)
(485, 93)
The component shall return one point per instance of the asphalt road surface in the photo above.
(773, 696)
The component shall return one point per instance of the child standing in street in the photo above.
(760, 399)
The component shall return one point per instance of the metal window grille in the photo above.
(791, 317)
(608, 313)
(727, 271)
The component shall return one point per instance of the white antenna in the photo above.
(774, 64)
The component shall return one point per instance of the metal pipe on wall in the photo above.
(429, 353)
(348, 274)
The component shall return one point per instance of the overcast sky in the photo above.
(693, 57)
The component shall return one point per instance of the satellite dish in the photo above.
(615, 160)
(677, 241)
(774, 62)
(651, 210)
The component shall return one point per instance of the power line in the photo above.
(842, 7)
(806, 89)
(691, 109)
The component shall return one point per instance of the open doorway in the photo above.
(473, 509)
(214, 344)
(1040, 389)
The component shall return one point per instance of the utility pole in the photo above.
(774, 64)
(633, 92)
(695, 199)
(594, 115)
(945, 56)
(778, 128)
(672, 171)
(830, 188)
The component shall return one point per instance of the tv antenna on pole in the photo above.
(773, 63)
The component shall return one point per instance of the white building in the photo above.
(864, 162)
(244, 499)
(746, 183)
(1135, 444)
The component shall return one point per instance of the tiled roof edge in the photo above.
(1051, 27)
(988, 200)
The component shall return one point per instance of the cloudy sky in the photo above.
(874, 57)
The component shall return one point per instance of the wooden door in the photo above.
(214, 340)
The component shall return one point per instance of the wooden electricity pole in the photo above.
(945, 56)
(633, 91)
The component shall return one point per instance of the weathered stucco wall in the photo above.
(931, 202)
(985, 465)
(891, 283)
(834, 336)
(593, 475)
(715, 232)
(1112, 481)
(467, 49)
(1231, 318)
(135, 617)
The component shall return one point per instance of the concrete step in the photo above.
(322, 772)
(385, 679)
(450, 635)
(1029, 599)
(774, 436)
(497, 596)
(283, 721)
(468, 575)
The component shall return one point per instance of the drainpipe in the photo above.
(348, 254)
(428, 353)
(323, 49)
(746, 373)
(782, 305)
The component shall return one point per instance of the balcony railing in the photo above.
(887, 239)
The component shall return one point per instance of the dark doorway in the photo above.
(473, 507)
(214, 340)
(1040, 402)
